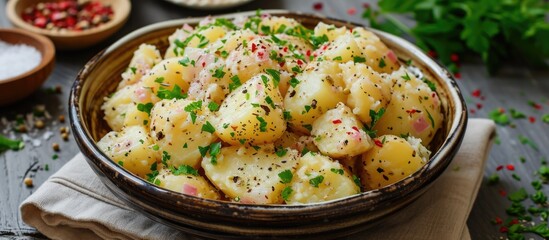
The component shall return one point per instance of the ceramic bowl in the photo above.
(221, 219)
(72, 39)
(18, 87)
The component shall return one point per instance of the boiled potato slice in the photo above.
(298, 142)
(338, 133)
(190, 184)
(378, 55)
(130, 148)
(414, 109)
(391, 160)
(319, 178)
(175, 132)
(144, 58)
(201, 38)
(165, 76)
(252, 114)
(231, 41)
(116, 106)
(248, 175)
(315, 94)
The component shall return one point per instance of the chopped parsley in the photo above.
(275, 75)
(286, 176)
(165, 158)
(145, 108)
(176, 93)
(219, 73)
(382, 63)
(318, 41)
(358, 59)
(294, 82)
(281, 152)
(213, 106)
(208, 127)
(262, 124)
(337, 171)
(184, 170)
(338, 58)
(406, 77)
(235, 83)
(316, 180)
(215, 149)
(286, 192)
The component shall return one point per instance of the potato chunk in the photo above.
(392, 159)
(177, 128)
(343, 49)
(252, 113)
(414, 109)
(186, 183)
(319, 178)
(331, 31)
(131, 148)
(314, 94)
(338, 133)
(248, 175)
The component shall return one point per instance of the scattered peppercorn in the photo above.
(28, 182)
(39, 124)
(61, 118)
(65, 136)
(55, 147)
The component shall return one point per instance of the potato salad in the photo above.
(262, 110)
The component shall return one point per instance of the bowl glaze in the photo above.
(220, 219)
(18, 87)
(72, 39)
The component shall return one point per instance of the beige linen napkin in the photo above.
(74, 204)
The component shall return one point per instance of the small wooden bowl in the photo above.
(72, 39)
(18, 87)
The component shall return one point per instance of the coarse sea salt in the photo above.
(17, 59)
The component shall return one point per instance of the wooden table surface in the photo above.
(512, 88)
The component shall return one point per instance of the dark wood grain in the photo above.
(512, 88)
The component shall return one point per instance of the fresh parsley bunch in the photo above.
(497, 30)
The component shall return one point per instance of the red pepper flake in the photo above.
(432, 54)
(351, 11)
(254, 47)
(203, 64)
(325, 47)
(513, 222)
(502, 193)
(499, 168)
(355, 128)
(510, 167)
(411, 111)
(318, 6)
(234, 128)
(532, 119)
(378, 143)
(503, 229)
(479, 105)
(299, 62)
(337, 121)
(476, 93)
(308, 53)
(285, 49)
(454, 57)
(281, 64)
(260, 54)
(457, 75)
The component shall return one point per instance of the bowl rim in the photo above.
(439, 160)
(120, 16)
(47, 55)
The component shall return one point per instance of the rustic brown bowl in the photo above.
(18, 87)
(221, 219)
(72, 39)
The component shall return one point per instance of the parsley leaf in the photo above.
(145, 108)
(176, 93)
(184, 170)
(286, 193)
(208, 127)
(286, 176)
(316, 180)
